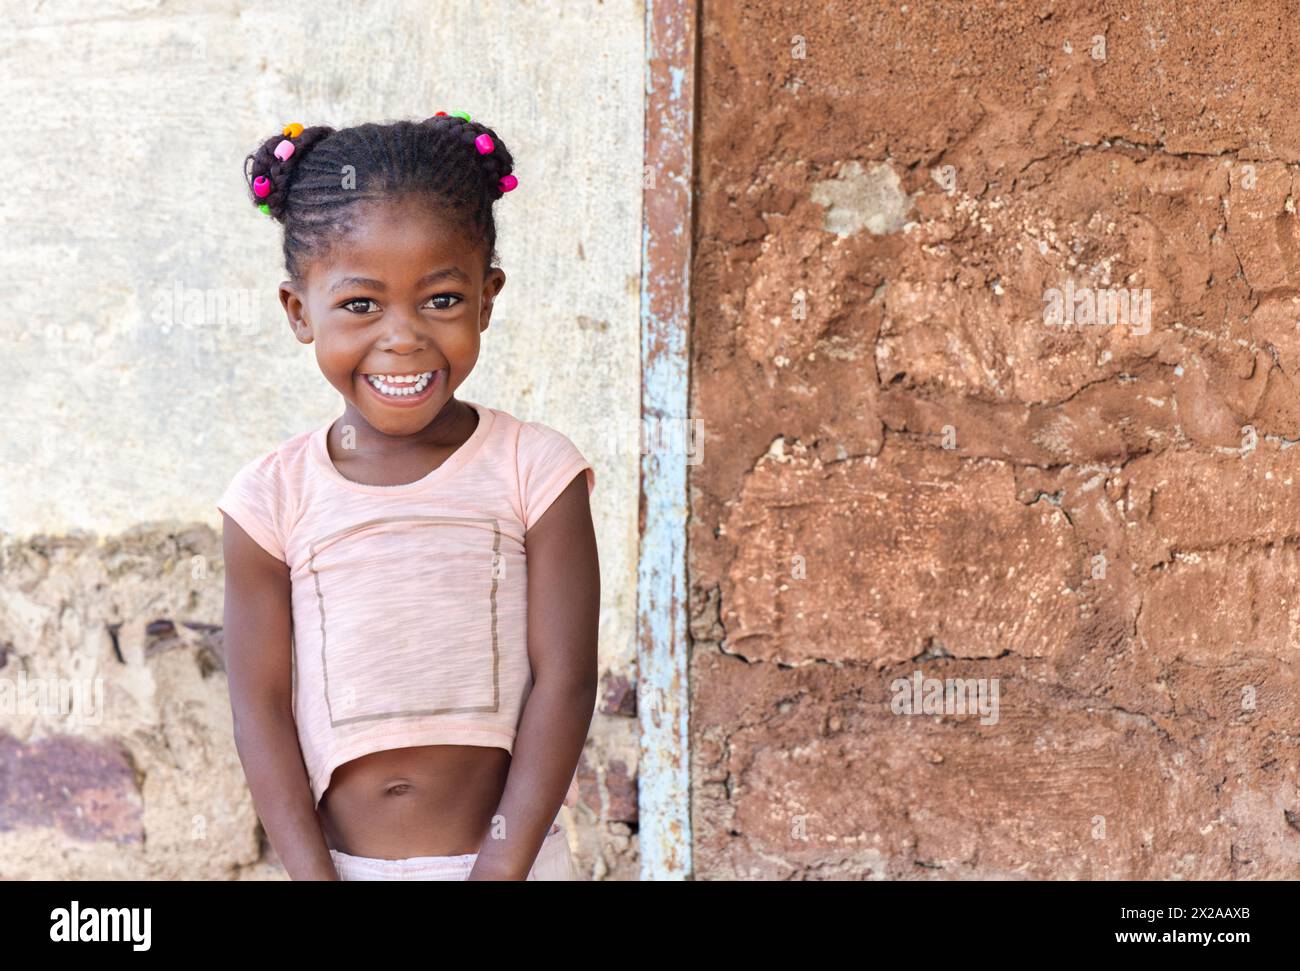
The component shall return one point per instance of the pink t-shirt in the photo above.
(409, 601)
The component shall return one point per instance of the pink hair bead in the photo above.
(261, 187)
(507, 182)
(484, 144)
(284, 150)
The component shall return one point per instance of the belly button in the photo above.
(398, 790)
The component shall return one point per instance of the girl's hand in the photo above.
(484, 870)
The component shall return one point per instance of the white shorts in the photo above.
(554, 862)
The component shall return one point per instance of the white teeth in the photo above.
(400, 385)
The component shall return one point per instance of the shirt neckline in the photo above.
(455, 461)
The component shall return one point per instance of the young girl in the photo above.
(412, 590)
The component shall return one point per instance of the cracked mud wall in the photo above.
(129, 407)
(916, 470)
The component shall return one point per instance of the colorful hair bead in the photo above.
(261, 187)
(293, 130)
(484, 144)
(284, 150)
(442, 114)
(265, 208)
(507, 182)
(461, 114)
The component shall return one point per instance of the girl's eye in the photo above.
(351, 305)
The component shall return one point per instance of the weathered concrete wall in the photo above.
(912, 470)
(129, 408)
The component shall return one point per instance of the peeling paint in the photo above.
(664, 790)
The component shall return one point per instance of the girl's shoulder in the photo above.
(272, 475)
(526, 436)
(546, 461)
(528, 432)
(279, 461)
(260, 494)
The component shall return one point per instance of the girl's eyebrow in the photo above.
(447, 272)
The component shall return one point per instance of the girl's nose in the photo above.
(403, 331)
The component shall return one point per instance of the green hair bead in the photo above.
(461, 114)
(265, 208)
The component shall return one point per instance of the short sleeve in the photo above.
(548, 461)
(254, 499)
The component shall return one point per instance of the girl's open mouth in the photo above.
(404, 390)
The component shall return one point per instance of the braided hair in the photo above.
(332, 169)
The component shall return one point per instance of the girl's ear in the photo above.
(492, 284)
(295, 309)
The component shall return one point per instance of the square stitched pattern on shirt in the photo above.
(408, 619)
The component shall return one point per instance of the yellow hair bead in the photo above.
(293, 130)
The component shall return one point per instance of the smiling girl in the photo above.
(412, 590)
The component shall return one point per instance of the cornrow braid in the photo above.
(329, 170)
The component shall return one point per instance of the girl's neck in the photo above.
(446, 428)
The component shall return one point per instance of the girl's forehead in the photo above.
(395, 241)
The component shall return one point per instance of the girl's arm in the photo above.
(258, 629)
(563, 618)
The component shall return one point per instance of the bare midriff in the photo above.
(425, 800)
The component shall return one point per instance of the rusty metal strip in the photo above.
(663, 707)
